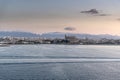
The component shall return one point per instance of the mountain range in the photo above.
(17, 34)
(55, 35)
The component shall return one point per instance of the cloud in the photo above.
(91, 11)
(69, 28)
(118, 19)
(103, 14)
(94, 12)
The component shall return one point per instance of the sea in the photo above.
(60, 62)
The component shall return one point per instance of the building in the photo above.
(72, 39)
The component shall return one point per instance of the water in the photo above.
(60, 62)
(59, 51)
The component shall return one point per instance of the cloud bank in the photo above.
(94, 12)
(69, 28)
(91, 11)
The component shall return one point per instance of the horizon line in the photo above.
(58, 32)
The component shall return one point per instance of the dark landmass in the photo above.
(66, 40)
(56, 38)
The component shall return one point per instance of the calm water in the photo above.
(60, 62)
(59, 51)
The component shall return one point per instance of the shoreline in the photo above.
(65, 44)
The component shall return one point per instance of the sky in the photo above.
(75, 16)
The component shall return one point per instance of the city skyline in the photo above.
(78, 16)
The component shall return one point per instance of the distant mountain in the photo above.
(55, 35)
(17, 34)
(91, 36)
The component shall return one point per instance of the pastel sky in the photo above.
(77, 16)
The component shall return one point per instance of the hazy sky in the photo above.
(79, 16)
